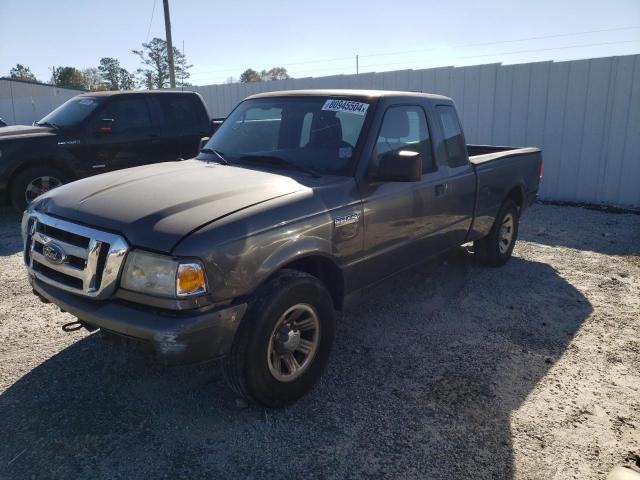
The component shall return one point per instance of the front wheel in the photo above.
(283, 343)
(495, 249)
(33, 182)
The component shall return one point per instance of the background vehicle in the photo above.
(97, 132)
(298, 202)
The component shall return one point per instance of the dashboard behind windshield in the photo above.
(318, 133)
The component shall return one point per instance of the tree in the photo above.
(67, 77)
(20, 72)
(276, 73)
(155, 73)
(250, 75)
(92, 80)
(116, 77)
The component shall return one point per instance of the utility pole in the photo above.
(167, 27)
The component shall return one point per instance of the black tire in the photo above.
(22, 180)
(246, 368)
(489, 250)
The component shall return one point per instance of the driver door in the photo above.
(402, 219)
(125, 140)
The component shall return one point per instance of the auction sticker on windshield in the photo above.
(336, 105)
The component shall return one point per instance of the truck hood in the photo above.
(13, 131)
(155, 206)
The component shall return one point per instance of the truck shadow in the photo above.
(582, 229)
(425, 374)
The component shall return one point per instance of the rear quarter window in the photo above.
(180, 113)
(455, 147)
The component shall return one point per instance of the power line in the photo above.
(205, 72)
(151, 20)
(511, 53)
(559, 35)
(467, 45)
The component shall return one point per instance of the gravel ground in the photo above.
(530, 371)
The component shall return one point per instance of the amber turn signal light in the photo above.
(190, 279)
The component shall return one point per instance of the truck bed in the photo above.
(497, 169)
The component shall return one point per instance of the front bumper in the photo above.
(175, 337)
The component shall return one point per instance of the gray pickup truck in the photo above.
(297, 203)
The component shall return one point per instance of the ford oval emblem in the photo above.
(54, 253)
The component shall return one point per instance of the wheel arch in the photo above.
(34, 162)
(517, 195)
(323, 268)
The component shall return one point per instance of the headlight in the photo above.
(163, 275)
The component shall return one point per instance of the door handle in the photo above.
(441, 189)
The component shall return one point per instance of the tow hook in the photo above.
(77, 325)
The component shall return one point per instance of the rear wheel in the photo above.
(283, 343)
(33, 182)
(495, 249)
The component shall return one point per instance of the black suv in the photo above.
(97, 132)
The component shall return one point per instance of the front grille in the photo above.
(68, 237)
(68, 280)
(73, 257)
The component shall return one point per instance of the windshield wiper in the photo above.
(273, 160)
(47, 124)
(211, 151)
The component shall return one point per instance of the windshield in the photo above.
(71, 112)
(314, 134)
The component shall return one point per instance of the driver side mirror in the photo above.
(106, 125)
(399, 166)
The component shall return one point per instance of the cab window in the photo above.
(405, 128)
(129, 115)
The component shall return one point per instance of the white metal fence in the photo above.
(585, 114)
(22, 103)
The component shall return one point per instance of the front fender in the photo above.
(237, 268)
(44, 150)
(293, 250)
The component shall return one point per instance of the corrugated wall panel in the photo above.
(470, 103)
(629, 191)
(553, 125)
(428, 80)
(519, 110)
(617, 129)
(456, 91)
(502, 106)
(573, 128)
(443, 81)
(594, 128)
(486, 103)
(538, 91)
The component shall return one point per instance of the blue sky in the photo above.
(318, 38)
